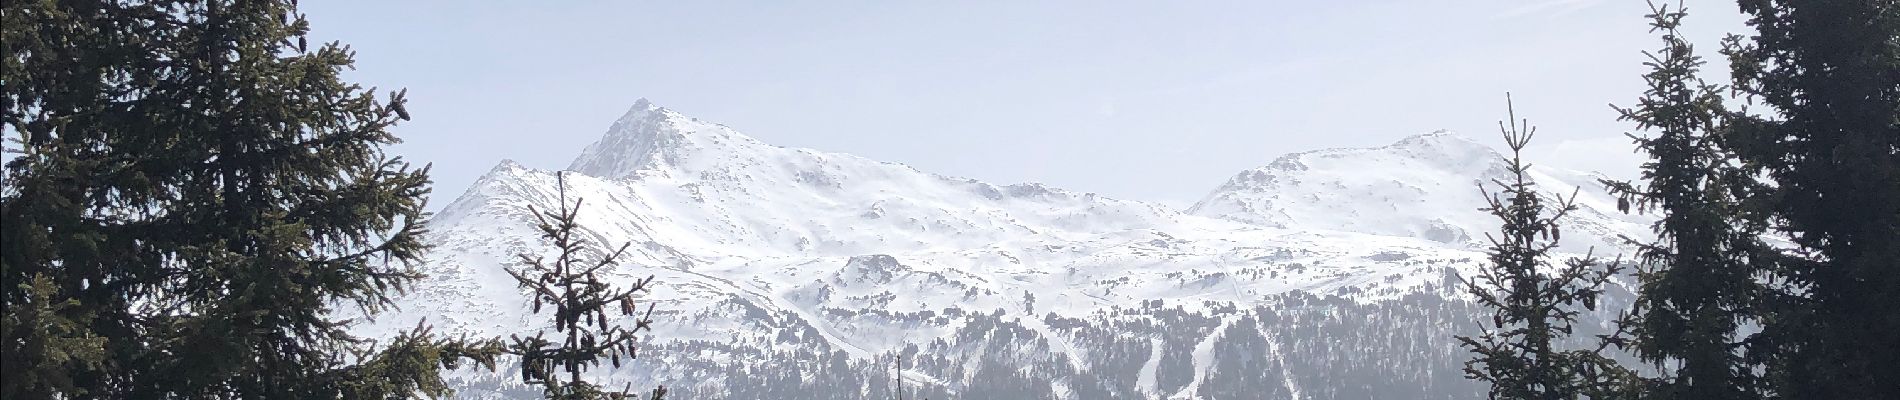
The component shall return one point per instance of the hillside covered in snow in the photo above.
(794, 273)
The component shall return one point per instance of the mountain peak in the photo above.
(1444, 141)
(641, 109)
(1437, 135)
(1373, 190)
(1423, 186)
(648, 136)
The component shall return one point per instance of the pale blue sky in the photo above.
(1156, 101)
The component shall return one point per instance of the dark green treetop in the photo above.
(1697, 280)
(1828, 147)
(1533, 302)
(194, 193)
(582, 303)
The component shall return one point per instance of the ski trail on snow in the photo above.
(1145, 380)
(1286, 375)
(1203, 357)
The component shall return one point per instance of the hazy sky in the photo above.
(1150, 100)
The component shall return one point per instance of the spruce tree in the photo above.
(1533, 302)
(193, 192)
(1698, 279)
(1829, 146)
(47, 344)
(582, 303)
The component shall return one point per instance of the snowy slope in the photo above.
(1424, 186)
(768, 254)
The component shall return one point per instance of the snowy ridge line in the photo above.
(763, 251)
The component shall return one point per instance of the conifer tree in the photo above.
(582, 303)
(47, 343)
(1533, 302)
(1698, 279)
(1829, 146)
(192, 192)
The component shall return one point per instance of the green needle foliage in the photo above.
(581, 303)
(1698, 279)
(1829, 148)
(191, 194)
(1774, 273)
(1533, 302)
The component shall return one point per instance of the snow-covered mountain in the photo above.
(1425, 186)
(795, 273)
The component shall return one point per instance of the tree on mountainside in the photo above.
(1697, 281)
(581, 302)
(1828, 148)
(192, 192)
(1533, 302)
